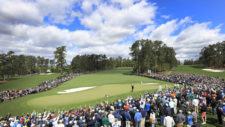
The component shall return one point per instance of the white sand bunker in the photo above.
(149, 83)
(213, 70)
(75, 90)
(46, 73)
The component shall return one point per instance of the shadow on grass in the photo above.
(212, 121)
(129, 73)
(11, 79)
(198, 66)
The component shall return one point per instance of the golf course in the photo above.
(116, 83)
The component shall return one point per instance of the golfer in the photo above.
(132, 88)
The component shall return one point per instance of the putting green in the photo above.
(87, 95)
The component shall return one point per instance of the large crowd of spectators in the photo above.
(174, 106)
(44, 86)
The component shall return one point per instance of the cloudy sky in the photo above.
(37, 27)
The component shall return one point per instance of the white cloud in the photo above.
(165, 16)
(111, 50)
(18, 11)
(187, 37)
(124, 3)
(108, 25)
(59, 11)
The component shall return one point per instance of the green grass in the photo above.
(197, 69)
(113, 82)
(25, 81)
(87, 95)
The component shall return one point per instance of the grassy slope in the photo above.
(117, 76)
(25, 82)
(197, 69)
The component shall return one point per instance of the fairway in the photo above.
(25, 81)
(197, 69)
(116, 83)
(88, 95)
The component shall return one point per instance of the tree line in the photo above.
(190, 62)
(95, 62)
(146, 55)
(213, 55)
(11, 64)
(152, 55)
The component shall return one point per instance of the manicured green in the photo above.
(87, 95)
(116, 83)
(25, 81)
(197, 69)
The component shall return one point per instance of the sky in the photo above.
(37, 27)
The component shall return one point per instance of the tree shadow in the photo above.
(213, 121)
(129, 73)
(11, 79)
(198, 66)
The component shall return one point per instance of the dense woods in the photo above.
(191, 62)
(152, 55)
(11, 65)
(94, 62)
(146, 55)
(213, 55)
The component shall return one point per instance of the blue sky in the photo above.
(37, 27)
(198, 10)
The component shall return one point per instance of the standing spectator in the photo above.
(105, 121)
(180, 119)
(143, 113)
(111, 118)
(195, 116)
(168, 121)
(213, 104)
(162, 114)
(189, 119)
(115, 123)
(220, 114)
(137, 118)
(127, 118)
(195, 103)
(175, 105)
(171, 104)
(152, 118)
(147, 108)
(223, 116)
(203, 111)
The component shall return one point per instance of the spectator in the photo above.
(180, 119)
(137, 118)
(189, 119)
(152, 118)
(168, 121)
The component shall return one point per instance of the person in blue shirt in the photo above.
(127, 118)
(147, 108)
(137, 118)
(66, 120)
(143, 113)
(189, 119)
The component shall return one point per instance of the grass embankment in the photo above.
(25, 81)
(197, 69)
